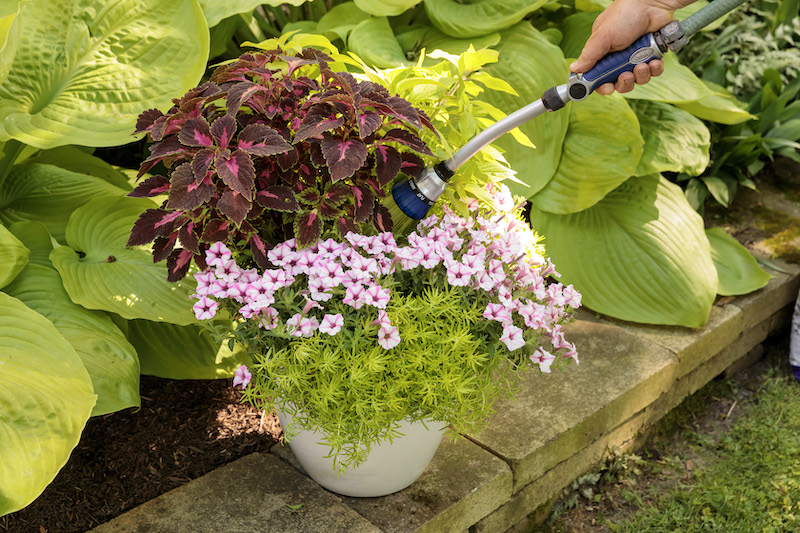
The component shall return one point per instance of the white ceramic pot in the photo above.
(388, 468)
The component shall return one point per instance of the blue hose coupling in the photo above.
(416, 196)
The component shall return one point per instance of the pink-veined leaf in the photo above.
(368, 123)
(278, 198)
(382, 219)
(411, 164)
(345, 225)
(237, 172)
(196, 132)
(234, 206)
(364, 203)
(309, 196)
(152, 186)
(146, 119)
(336, 194)
(238, 94)
(223, 129)
(169, 146)
(406, 138)
(162, 247)
(307, 228)
(387, 164)
(261, 140)
(343, 156)
(201, 162)
(319, 119)
(259, 251)
(216, 229)
(188, 238)
(184, 192)
(151, 224)
(178, 264)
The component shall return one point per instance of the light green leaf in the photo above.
(531, 64)
(216, 10)
(592, 5)
(721, 107)
(9, 34)
(434, 39)
(696, 6)
(15, 256)
(386, 8)
(182, 352)
(576, 29)
(678, 84)
(340, 20)
(49, 194)
(105, 352)
(473, 19)
(675, 141)
(720, 189)
(737, 269)
(85, 69)
(100, 272)
(80, 161)
(45, 400)
(373, 41)
(640, 254)
(601, 151)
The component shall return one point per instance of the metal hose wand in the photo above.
(417, 195)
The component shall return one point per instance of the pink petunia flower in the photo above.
(300, 326)
(572, 297)
(242, 376)
(382, 320)
(354, 296)
(497, 312)
(544, 359)
(331, 324)
(458, 274)
(217, 254)
(268, 318)
(388, 337)
(377, 296)
(205, 308)
(512, 337)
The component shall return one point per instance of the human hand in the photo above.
(617, 27)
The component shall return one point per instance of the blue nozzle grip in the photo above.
(608, 69)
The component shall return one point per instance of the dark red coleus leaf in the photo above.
(146, 119)
(288, 159)
(368, 123)
(169, 146)
(309, 196)
(163, 246)
(406, 138)
(364, 203)
(154, 223)
(381, 219)
(387, 164)
(188, 238)
(237, 172)
(319, 119)
(201, 162)
(329, 211)
(261, 140)
(152, 186)
(259, 251)
(223, 129)
(184, 192)
(403, 109)
(344, 225)
(315, 150)
(336, 194)
(234, 206)
(196, 132)
(238, 94)
(178, 264)
(343, 156)
(278, 198)
(307, 228)
(216, 229)
(412, 164)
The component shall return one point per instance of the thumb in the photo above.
(598, 45)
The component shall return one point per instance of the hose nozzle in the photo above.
(417, 195)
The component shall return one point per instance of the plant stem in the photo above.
(11, 152)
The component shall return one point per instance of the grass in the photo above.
(738, 477)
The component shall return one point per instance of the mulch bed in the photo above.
(183, 430)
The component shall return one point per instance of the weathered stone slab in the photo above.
(462, 484)
(554, 480)
(555, 416)
(250, 495)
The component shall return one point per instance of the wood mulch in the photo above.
(183, 430)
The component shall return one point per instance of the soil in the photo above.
(183, 430)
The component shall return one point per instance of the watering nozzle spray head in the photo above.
(416, 196)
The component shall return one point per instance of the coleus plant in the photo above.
(275, 146)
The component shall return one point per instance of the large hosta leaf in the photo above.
(83, 162)
(49, 194)
(386, 8)
(575, 30)
(473, 19)
(340, 20)
(99, 272)
(722, 106)
(675, 140)
(85, 69)
(182, 352)
(640, 254)
(15, 256)
(9, 34)
(737, 270)
(216, 10)
(373, 41)
(531, 64)
(105, 352)
(45, 400)
(601, 150)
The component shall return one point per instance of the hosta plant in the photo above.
(277, 145)
(351, 337)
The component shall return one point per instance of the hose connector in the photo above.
(672, 36)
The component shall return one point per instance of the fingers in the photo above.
(642, 73)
